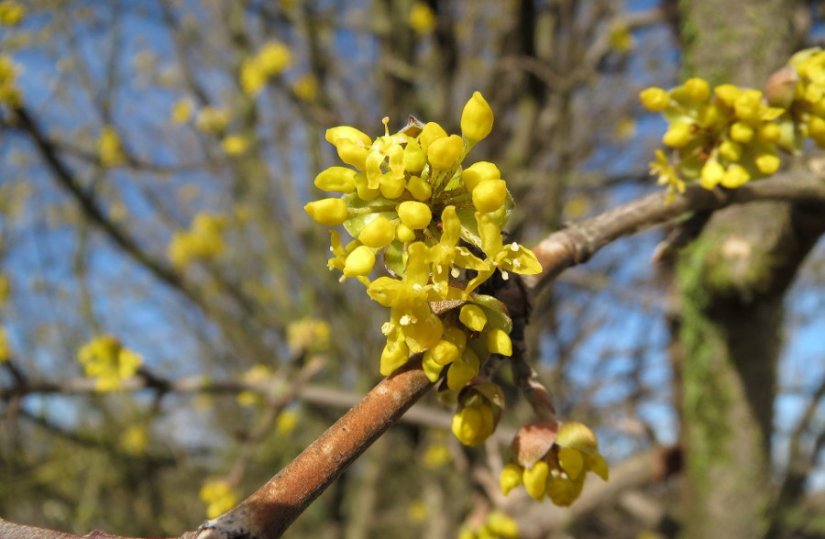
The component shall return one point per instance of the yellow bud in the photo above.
(394, 355)
(476, 118)
(340, 179)
(414, 157)
(359, 262)
(479, 172)
(274, 58)
(563, 492)
(378, 233)
(430, 133)
(457, 336)
(768, 163)
(510, 478)
(353, 154)
(747, 104)
(654, 99)
(535, 479)
(419, 189)
(730, 151)
(816, 127)
(577, 436)
(473, 424)
(498, 342)
(462, 371)
(415, 215)
(770, 133)
(735, 176)
(404, 233)
(727, 93)
(473, 317)
(489, 195)
(432, 369)
(571, 461)
(712, 174)
(677, 135)
(502, 526)
(697, 90)
(335, 135)
(741, 132)
(328, 211)
(443, 353)
(445, 153)
(392, 187)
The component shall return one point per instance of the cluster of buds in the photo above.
(553, 461)
(496, 525)
(729, 135)
(9, 93)
(203, 241)
(107, 360)
(407, 197)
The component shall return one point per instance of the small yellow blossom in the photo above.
(620, 38)
(417, 511)
(252, 76)
(203, 241)
(107, 360)
(181, 111)
(9, 93)
(306, 87)
(308, 334)
(11, 13)
(274, 58)
(287, 421)
(134, 440)
(110, 147)
(422, 18)
(235, 145)
(476, 118)
(5, 346)
(212, 120)
(218, 497)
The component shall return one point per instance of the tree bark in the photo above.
(732, 282)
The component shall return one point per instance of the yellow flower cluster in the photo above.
(438, 225)
(212, 120)
(271, 61)
(203, 241)
(258, 374)
(181, 111)
(729, 135)
(11, 13)
(110, 148)
(559, 474)
(5, 346)
(106, 359)
(308, 334)
(218, 497)
(134, 440)
(804, 87)
(497, 525)
(235, 145)
(479, 409)
(9, 93)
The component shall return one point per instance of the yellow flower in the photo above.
(306, 87)
(9, 94)
(422, 18)
(181, 111)
(654, 99)
(203, 241)
(445, 153)
(476, 118)
(212, 120)
(287, 421)
(328, 211)
(415, 215)
(110, 148)
(253, 77)
(5, 346)
(274, 58)
(106, 359)
(620, 38)
(218, 497)
(134, 440)
(436, 455)
(11, 13)
(235, 145)
(309, 334)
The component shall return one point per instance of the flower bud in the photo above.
(730, 151)
(490, 195)
(353, 154)
(443, 353)
(478, 172)
(535, 479)
(463, 370)
(445, 153)
(336, 135)
(654, 99)
(415, 215)
(414, 157)
(712, 173)
(498, 342)
(767, 163)
(394, 355)
(430, 133)
(476, 118)
(472, 316)
(328, 211)
(404, 233)
(340, 179)
(419, 189)
(735, 176)
(510, 478)
(741, 132)
(378, 233)
(359, 262)
(677, 135)
(697, 90)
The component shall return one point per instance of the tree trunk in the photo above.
(732, 282)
